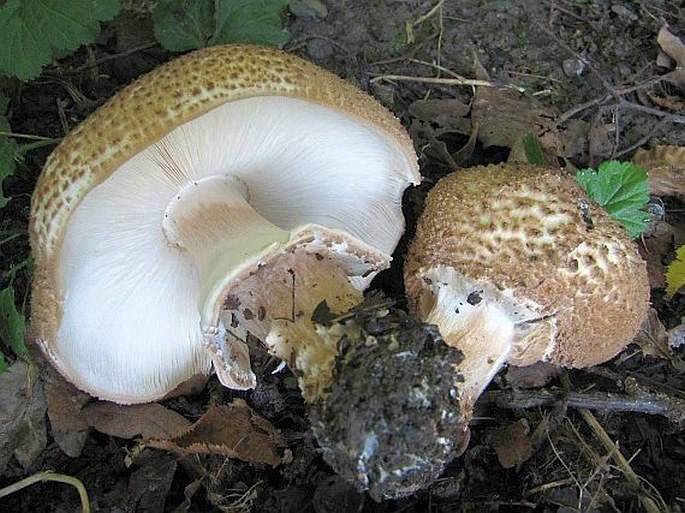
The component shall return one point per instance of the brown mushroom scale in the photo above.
(515, 265)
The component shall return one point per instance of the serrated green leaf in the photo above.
(250, 21)
(32, 30)
(675, 273)
(184, 24)
(188, 24)
(8, 150)
(622, 189)
(12, 324)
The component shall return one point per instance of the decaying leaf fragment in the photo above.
(233, 430)
(504, 116)
(151, 420)
(665, 166)
(672, 55)
(513, 444)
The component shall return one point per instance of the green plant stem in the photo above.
(11, 235)
(23, 149)
(49, 475)
(25, 136)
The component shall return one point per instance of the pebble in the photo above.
(309, 10)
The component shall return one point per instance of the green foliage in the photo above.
(188, 24)
(675, 273)
(622, 189)
(8, 150)
(534, 154)
(12, 324)
(33, 31)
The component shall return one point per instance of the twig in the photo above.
(647, 501)
(28, 136)
(102, 60)
(445, 81)
(48, 475)
(649, 403)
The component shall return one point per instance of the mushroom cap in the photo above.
(531, 234)
(102, 256)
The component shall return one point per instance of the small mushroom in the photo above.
(232, 190)
(515, 265)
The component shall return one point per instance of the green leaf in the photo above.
(3, 363)
(675, 273)
(622, 189)
(12, 324)
(188, 24)
(531, 146)
(8, 150)
(184, 24)
(250, 21)
(31, 31)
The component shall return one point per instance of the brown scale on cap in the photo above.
(532, 236)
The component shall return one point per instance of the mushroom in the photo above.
(237, 191)
(229, 191)
(515, 265)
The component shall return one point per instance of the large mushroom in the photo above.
(236, 190)
(515, 265)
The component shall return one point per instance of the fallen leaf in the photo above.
(504, 116)
(652, 336)
(23, 433)
(149, 485)
(65, 401)
(447, 113)
(665, 166)
(673, 47)
(233, 430)
(532, 376)
(127, 421)
(675, 273)
(512, 444)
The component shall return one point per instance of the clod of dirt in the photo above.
(391, 420)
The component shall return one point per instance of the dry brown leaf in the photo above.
(665, 166)
(233, 430)
(505, 116)
(447, 113)
(69, 427)
(673, 47)
(652, 337)
(23, 433)
(512, 443)
(127, 421)
(532, 376)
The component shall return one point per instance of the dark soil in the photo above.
(565, 53)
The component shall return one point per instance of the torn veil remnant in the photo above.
(239, 190)
(515, 265)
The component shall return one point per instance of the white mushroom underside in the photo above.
(131, 330)
(490, 326)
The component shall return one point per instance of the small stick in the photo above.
(649, 403)
(647, 502)
(49, 475)
(445, 81)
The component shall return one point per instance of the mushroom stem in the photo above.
(278, 299)
(489, 326)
